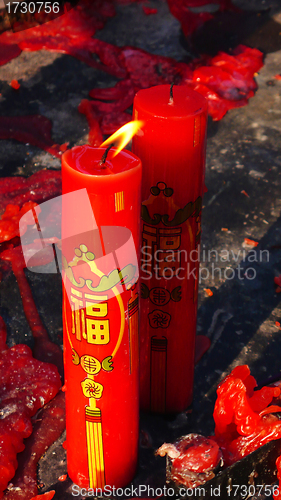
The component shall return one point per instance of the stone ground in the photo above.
(243, 154)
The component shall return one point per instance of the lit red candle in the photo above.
(171, 146)
(100, 313)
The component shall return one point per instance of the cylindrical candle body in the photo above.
(100, 315)
(172, 148)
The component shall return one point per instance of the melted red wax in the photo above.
(31, 129)
(244, 421)
(8, 52)
(243, 417)
(39, 187)
(149, 10)
(15, 84)
(197, 454)
(66, 34)
(45, 496)
(9, 223)
(194, 458)
(49, 425)
(51, 422)
(43, 347)
(38, 383)
(191, 21)
(227, 81)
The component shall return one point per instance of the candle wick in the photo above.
(171, 100)
(104, 156)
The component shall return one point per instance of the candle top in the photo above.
(87, 160)
(156, 101)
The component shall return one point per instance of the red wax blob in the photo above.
(198, 454)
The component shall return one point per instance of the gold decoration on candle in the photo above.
(107, 282)
(91, 389)
(95, 447)
(107, 364)
(119, 201)
(90, 364)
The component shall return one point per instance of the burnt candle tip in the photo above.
(104, 156)
(171, 100)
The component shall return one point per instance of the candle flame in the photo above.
(123, 135)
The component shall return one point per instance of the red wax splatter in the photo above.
(15, 84)
(95, 136)
(37, 188)
(9, 223)
(227, 81)
(277, 280)
(67, 34)
(31, 129)
(149, 10)
(244, 420)
(51, 422)
(194, 457)
(48, 427)
(43, 347)
(251, 243)
(191, 21)
(63, 147)
(45, 496)
(26, 385)
(63, 477)
(8, 52)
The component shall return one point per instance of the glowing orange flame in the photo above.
(123, 135)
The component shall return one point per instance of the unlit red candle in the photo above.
(100, 315)
(171, 146)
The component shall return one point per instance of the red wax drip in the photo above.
(32, 129)
(46, 496)
(8, 52)
(43, 185)
(47, 429)
(227, 81)
(37, 188)
(243, 423)
(43, 347)
(20, 399)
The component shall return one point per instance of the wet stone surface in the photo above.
(243, 177)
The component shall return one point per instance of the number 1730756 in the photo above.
(32, 7)
(249, 490)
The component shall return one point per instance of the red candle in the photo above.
(100, 313)
(171, 146)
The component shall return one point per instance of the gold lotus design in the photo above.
(91, 389)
